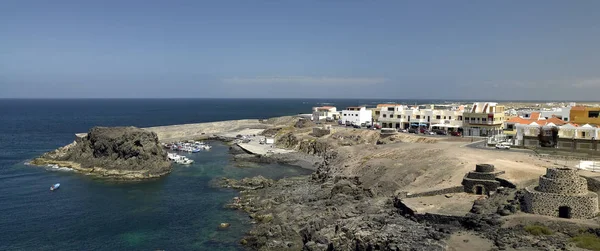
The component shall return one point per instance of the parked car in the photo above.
(441, 132)
(356, 126)
(430, 132)
(502, 146)
(412, 130)
(455, 133)
(402, 130)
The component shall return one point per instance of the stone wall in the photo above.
(481, 176)
(456, 189)
(484, 168)
(575, 186)
(564, 143)
(581, 206)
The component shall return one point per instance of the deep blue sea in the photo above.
(180, 211)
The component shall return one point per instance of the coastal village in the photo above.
(474, 176)
(576, 127)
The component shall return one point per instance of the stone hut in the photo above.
(561, 193)
(482, 180)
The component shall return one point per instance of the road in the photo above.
(481, 144)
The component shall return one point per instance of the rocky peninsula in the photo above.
(112, 152)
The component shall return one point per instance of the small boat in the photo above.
(55, 186)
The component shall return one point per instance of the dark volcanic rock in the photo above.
(120, 152)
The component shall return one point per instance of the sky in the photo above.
(497, 50)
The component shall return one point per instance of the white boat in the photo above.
(55, 186)
(184, 161)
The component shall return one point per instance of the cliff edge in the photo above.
(116, 152)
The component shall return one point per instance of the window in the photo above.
(345, 114)
(449, 117)
(583, 134)
(384, 115)
(444, 117)
(418, 117)
(398, 116)
(593, 114)
(437, 117)
(390, 109)
(483, 119)
(460, 118)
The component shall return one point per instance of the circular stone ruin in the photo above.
(482, 180)
(561, 193)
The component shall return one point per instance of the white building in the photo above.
(566, 131)
(400, 116)
(356, 115)
(324, 113)
(561, 113)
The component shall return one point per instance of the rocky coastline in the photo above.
(350, 202)
(325, 212)
(112, 152)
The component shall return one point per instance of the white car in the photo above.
(502, 146)
(431, 133)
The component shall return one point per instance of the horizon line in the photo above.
(305, 98)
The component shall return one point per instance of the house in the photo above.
(325, 113)
(534, 117)
(483, 119)
(568, 136)
(356, 115)
(585, 115)
(377, 110)
(562, 113)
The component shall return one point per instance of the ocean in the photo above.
(181, 211)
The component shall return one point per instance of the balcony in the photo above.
(491, 123)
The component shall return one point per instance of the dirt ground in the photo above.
(463, 241)
(404, 162)
(420, 167)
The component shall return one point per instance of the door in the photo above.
(479, 190)
(564, 212)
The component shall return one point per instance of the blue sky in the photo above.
(321, 49)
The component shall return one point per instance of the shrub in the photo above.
(538, 230)
(587, 241)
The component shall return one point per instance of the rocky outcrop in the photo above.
(303, 214)
(117, 152)
(313, 147)
(287, 140)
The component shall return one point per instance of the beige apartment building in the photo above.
(483, 119)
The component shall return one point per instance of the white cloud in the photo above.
(305, 80)
(586, 83)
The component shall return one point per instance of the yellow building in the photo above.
(585, 115)
(377, 111)
(484, 119)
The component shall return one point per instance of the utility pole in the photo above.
(594, 153)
